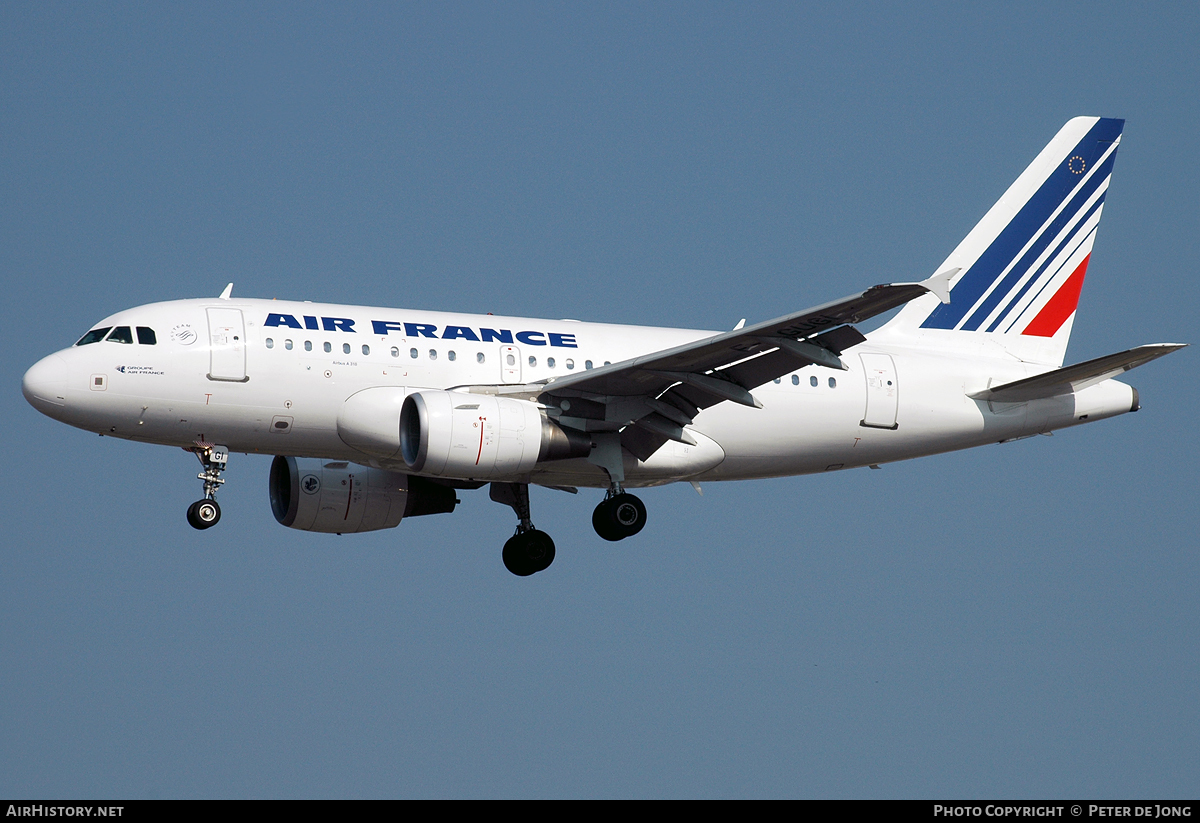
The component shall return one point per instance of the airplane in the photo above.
(377, 414)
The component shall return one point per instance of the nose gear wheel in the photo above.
(204, 514)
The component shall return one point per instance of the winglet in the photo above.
(225, 294)
(939, 284)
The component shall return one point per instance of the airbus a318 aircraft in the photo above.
(377, 414)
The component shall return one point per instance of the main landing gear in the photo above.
(528, 551)
(619, 515)
(204, 514)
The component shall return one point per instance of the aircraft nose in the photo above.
(45, 384)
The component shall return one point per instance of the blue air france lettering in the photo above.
(383, 328)
(359, 445)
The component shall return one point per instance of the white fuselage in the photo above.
(278, 388)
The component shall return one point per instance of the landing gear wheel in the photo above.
(203, 514)
(601, 522)
(528, 552)
(618, 517)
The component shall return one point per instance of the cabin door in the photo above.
(882, 391)
(227, 345)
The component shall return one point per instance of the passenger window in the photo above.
(94, 336)
(833, 382)
(549, 362)
(450, 355)
(433, 354)
(146, 336)
(121, 334)
(395, 352)
(570, 363)
(413, 353)
(812, 381)
(479, 358)
(777, 380)
(328, 348)
(795, 380)
(512, 361)
(308, 345)
(366, 349)
(270, 343)
(532, 360)
(287, 344)
(345, 348)
(587, 364)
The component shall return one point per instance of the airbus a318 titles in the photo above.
(377, 414)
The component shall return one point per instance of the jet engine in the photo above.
(334, 496)
(451, 434)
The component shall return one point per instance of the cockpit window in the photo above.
(146, 336)
(94, 336)
(121, 334)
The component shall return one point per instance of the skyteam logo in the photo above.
(1027, 278)
(183, 334)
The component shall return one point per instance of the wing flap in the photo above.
(759, 370)
(816, 327)
(651, 399)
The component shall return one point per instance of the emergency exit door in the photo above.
(510, 364)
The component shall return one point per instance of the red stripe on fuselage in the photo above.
(1050, 319)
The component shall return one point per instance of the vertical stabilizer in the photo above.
(1023, 265)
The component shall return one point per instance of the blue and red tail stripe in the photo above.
(1071, 239)
(1056, 311)
(1030, 232)
(1064, 219)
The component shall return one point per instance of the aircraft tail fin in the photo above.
(1023, 265)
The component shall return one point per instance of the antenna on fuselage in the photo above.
(225, 294)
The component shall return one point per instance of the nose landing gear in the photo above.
(204, 514)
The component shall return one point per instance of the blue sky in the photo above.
(1015, 620)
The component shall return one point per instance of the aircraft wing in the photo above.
(652, 397)
(1076, 378)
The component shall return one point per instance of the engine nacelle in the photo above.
(451, 434)
(333, 496)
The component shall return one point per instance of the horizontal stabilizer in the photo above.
(1076, 378)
